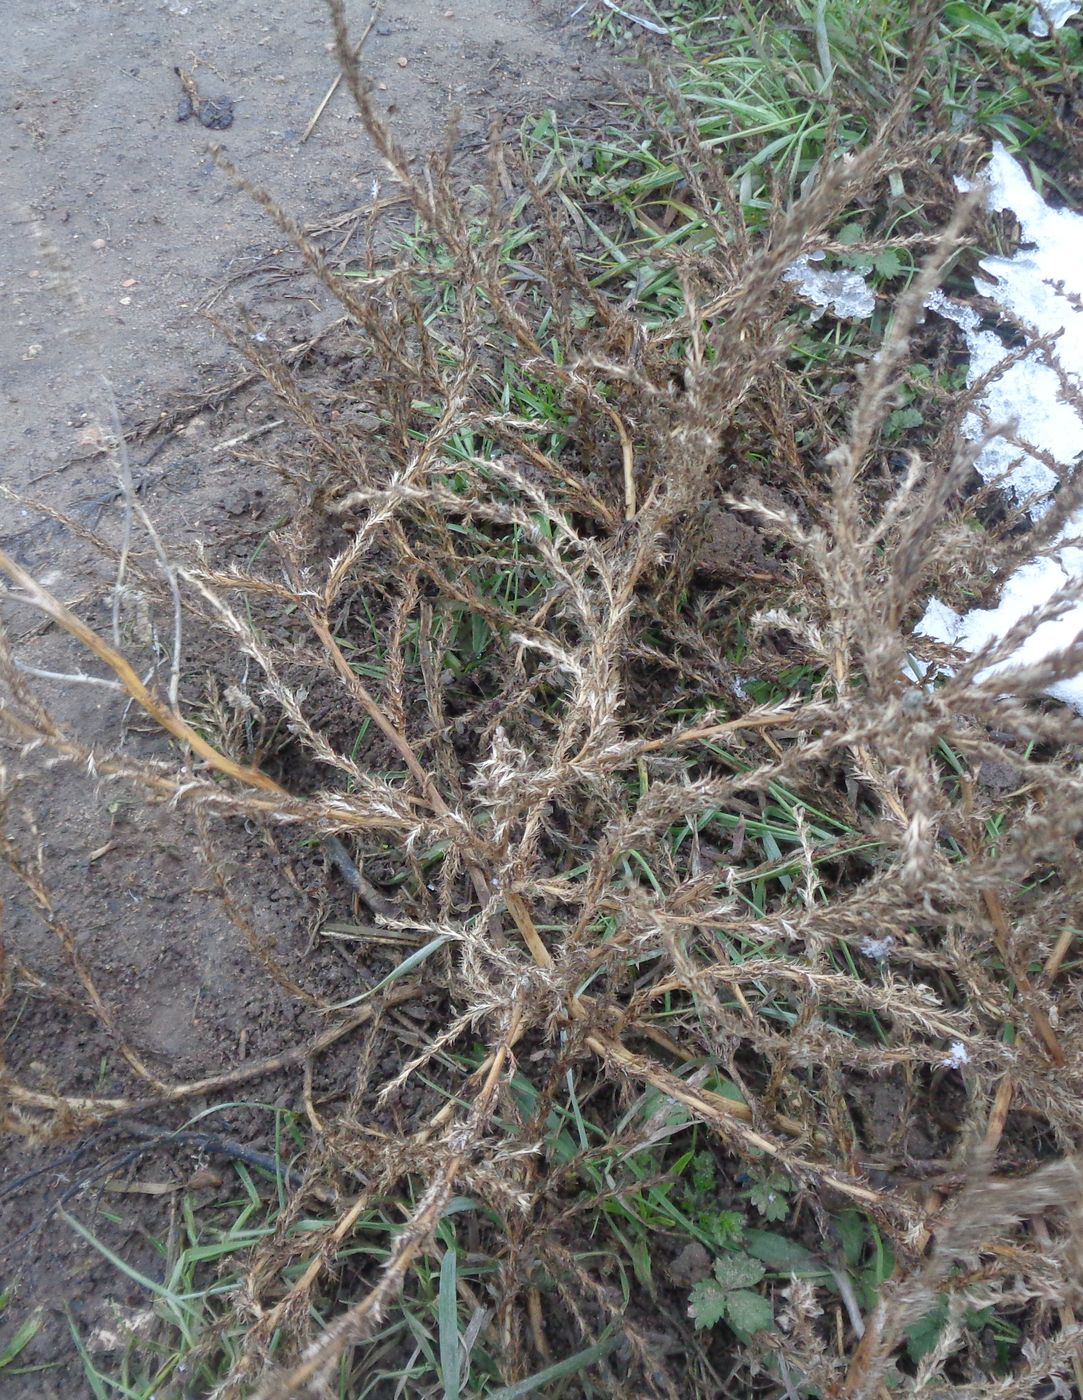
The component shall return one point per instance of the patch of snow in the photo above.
(1029, 587)
(1027, 286)
(844, 292)
(1059, 11)
(956, 1057)
(957, 311)
(1036, 286)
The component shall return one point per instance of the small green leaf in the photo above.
(902, 418)
(769, 1200)
(888, 263)
(640, 1252)
(703, 1172)
(923, 1335)
(851, 1229)
(738, 1271)
(706, 1303)
(729, 1227)
(984, 27)
(777, 1252)
(851, 233)
(749, 1312)
(883, 1261)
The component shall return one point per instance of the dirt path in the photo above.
(142, 219)
(146, 229)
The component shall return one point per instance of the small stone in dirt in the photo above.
(998, 776)
(690, 1266)
(204, 1179)
(726, 545)
(99, 244)
(403, 62)
(216, 113)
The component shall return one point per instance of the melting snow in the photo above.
(845, 292)
(1059, 11)
(1035, 285)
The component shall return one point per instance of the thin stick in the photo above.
(628, 460)
(1059, 953)
(44, 600)
(247, 437)
(118, 450)
(998, 1114)
(69, 678)
(85, 1107)
(757, 720)
(318, 113)
(167, 422)
(648, 24)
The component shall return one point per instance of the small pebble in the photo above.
(403, 62)
(98, 243)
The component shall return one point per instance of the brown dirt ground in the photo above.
(150, 232)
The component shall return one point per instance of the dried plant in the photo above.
(570, 767)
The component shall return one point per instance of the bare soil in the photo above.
(148, 234)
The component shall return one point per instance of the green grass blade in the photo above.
(407, 965)
(23, 1336)
(159, 1290)
(570, 1366)
(448, 1312)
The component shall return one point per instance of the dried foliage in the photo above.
(680, 834)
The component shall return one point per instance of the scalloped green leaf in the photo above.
(738, 1271)
(749, 1312)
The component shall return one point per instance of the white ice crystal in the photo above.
(844, 292)
(956, 1057)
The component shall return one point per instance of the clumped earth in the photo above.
(573, 956)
